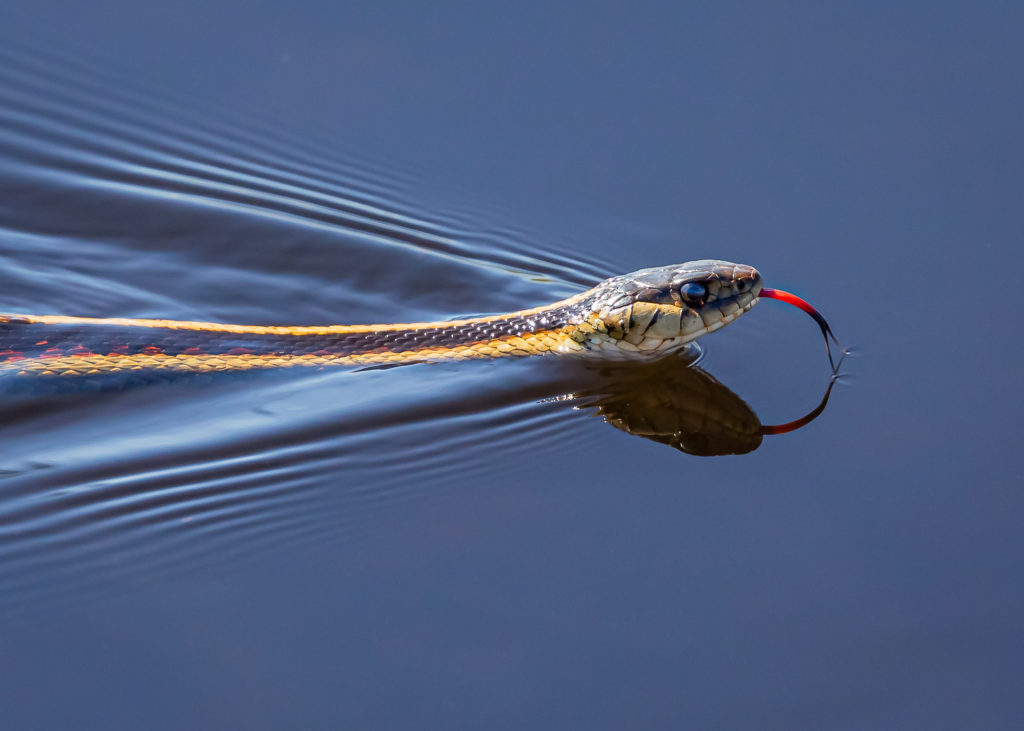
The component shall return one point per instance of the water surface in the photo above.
(511, 544)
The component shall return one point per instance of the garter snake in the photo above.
(646, 314)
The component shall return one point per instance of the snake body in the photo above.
(648, 313)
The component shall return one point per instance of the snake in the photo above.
(646, 314)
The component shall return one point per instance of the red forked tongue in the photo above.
(826, 331)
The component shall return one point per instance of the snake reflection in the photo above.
(681, 406)
(671, 401)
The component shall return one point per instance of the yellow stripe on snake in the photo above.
(645, 314)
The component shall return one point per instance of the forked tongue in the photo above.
(826, 331)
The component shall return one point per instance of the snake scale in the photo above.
(646, 314)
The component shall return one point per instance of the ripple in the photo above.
(116, 200)
(130, 151)
(320, 467)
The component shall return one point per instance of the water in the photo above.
(509, 544)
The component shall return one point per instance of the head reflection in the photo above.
(679, 404)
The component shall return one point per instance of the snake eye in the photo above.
(693, 292)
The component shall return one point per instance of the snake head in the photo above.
(666, 307)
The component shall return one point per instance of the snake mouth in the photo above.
(725, 312)
(733, 297)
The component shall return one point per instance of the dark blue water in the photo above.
(510, 544)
